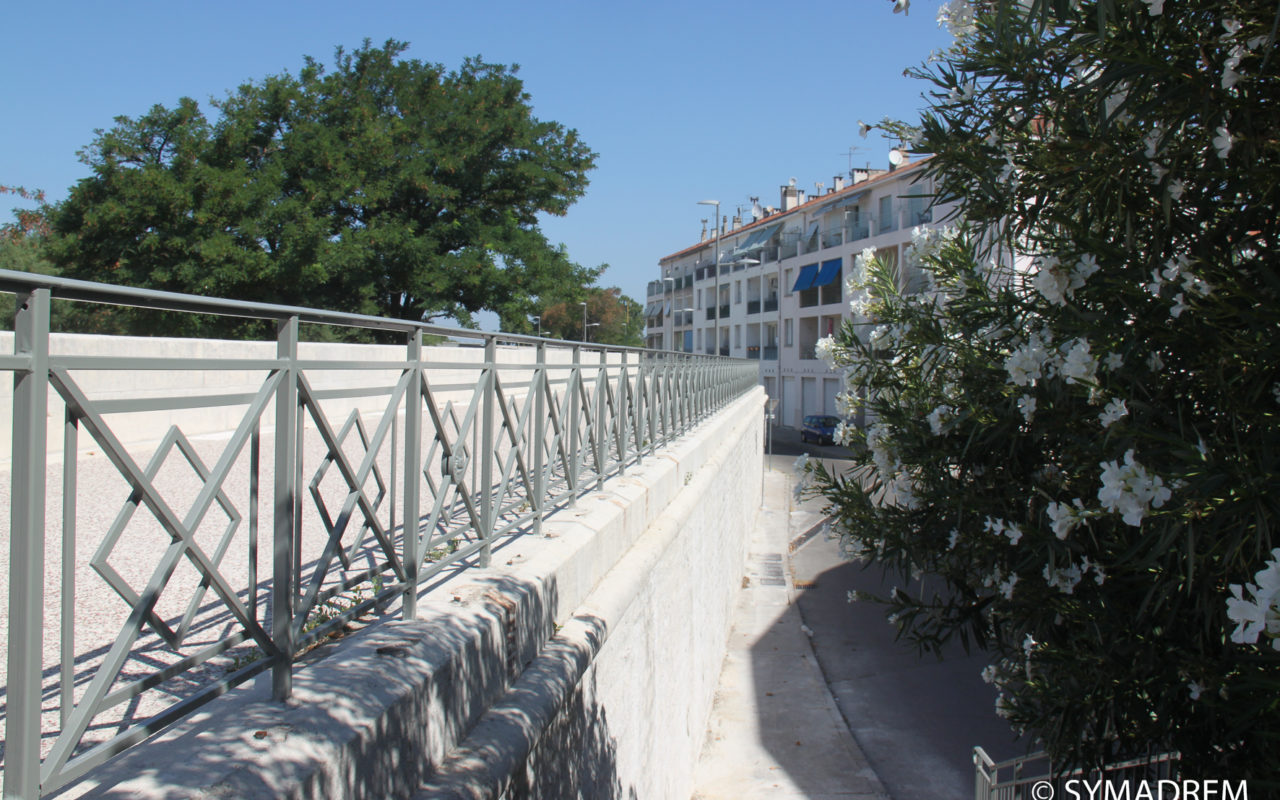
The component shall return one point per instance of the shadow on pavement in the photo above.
(917, 718)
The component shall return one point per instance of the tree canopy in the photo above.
(382, 185)
(612, 317)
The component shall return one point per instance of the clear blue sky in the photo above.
(683, 101)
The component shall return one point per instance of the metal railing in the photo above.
(452, 455)
(1032, 776)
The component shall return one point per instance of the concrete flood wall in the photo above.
(582, 663)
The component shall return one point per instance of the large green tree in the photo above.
(382, 185)
(613, 317)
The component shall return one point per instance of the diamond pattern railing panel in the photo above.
(151, 573)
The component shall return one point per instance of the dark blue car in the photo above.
(819, 428)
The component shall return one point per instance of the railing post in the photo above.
(489, 383)
(26, 547)
(576, 387)
(286, 503)
(602, 386)
(625, 414)
(412, 475)
(539, 388)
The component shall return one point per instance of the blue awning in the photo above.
(754, 241)
(805, 281)
(830, 269)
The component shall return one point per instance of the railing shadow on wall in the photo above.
(134, 581)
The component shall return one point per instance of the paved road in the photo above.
(916, 718)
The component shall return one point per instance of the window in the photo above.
(699, 298)
(737, 291)
(786, 333)
(737, 336)
(886, 214)
(787, 283)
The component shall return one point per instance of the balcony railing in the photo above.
(711, 312)
(856, 231)
(724, 311)
(771, 353)
(770, 304)
(753, 306)
(373, 472)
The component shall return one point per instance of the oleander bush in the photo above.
(1071, 399)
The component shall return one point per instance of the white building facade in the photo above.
(780, 282)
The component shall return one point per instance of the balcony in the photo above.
(770, 304)
(753, 353)
(771, 353)
(724, 351)
(856, 231)
(724, 311)
(753, 306)
(711, 314)
(832, 238)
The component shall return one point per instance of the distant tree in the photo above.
(386, 186)
(613, 318)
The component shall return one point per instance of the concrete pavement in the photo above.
(817, 699)
(775, 730)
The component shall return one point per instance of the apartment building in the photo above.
(768, 287)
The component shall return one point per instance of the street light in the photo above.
(584, 321)
(715, 327)
(584, 329)
(538, 321)
(668, 322)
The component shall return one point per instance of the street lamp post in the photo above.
(538, 321)
(584, 330)
(668, 323)
(584, 321)
(715, 328)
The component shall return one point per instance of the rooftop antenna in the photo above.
(852, 149)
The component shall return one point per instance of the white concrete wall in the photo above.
(584, 660)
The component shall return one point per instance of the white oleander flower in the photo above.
(1006, 586)
(1064, 580)
(957, 16)
(1025, 364)
(1130, 490)
(1262, 612)
(1027, 405)
(1113, 412)
(939, 417)
(1064, 518)
(825, 349)
(1222, 142)
(1079, 366)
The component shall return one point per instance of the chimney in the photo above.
(837, 183)
(790, 196)
(704, 231)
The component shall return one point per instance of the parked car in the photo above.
(819, 428)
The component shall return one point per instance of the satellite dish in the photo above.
(896, 157)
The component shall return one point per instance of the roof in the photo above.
(808, 205)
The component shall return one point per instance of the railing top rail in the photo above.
(12, 281)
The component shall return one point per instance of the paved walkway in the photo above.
(775, 730)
